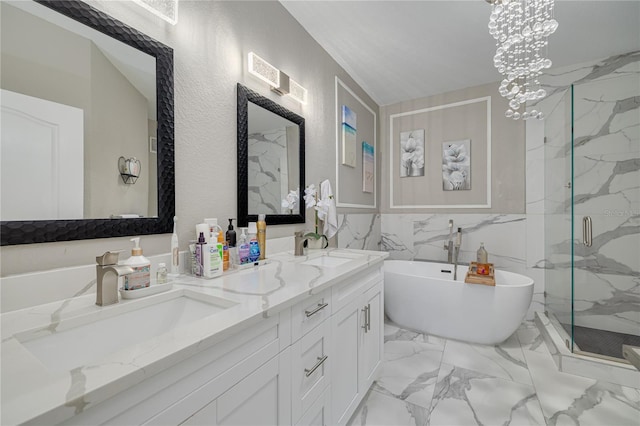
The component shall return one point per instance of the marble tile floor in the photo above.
(427, 380)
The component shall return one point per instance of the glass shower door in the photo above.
(557, 212)
(606, 214)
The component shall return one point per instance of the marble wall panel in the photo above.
(359, 231)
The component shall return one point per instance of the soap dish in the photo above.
(146, 291)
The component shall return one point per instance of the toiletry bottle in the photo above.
(200, 255)
(213, 226)
(483, 256)
(231, 234)
(192, 257)
(202, 228)
(243, 249)
(224, 248)
(254, 247)
(175, 249)
(161, 275)
(141, 276)
(212, 266)
(262, 235)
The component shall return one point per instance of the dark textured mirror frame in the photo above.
(245, 96)
(43, 231)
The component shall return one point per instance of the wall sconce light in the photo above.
(278, 80)
(165, 9)
(129, 169)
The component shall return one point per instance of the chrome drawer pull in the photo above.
(321, 361)
(320, 307)
(368, 316)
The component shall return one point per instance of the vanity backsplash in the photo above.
(37, 288)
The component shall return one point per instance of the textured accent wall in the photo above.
(211, 42)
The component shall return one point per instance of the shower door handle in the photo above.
(587, 231)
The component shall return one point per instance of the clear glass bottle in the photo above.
(483, 256)
(161, 275)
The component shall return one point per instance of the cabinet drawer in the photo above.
(308, 314)
(319, 414)
(311, 366)
(343, 294)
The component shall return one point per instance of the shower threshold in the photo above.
(601, 343)
(583, 364)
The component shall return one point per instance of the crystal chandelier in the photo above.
(521, 28)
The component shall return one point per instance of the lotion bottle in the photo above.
(212, 259)
(141, 276)
(262, 235)
(243, 249)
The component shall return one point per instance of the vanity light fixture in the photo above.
(278, 80)
(521, 28)
(165, 9)
(297, 92)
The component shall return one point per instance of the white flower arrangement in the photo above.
(321, 207)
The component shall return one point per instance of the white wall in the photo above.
(211, 42)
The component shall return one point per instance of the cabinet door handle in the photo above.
(368, 316)
(321, 360)
(320, 307)
(366, 320)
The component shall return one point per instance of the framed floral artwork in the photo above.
(412, 153)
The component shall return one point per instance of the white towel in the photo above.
(331, 213)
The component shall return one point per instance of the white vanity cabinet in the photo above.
(262, 398)
(309, 364)
(244, 375)
(357, 342)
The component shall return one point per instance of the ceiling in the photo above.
(402, 50)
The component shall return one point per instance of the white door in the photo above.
(42, 159)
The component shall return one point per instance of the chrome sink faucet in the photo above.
(299, 243)
(107, 274)
(456, 253)
(448, 246)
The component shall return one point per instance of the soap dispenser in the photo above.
(141, 276)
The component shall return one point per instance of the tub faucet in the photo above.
(448, 246)
(456, 252)
(299, 243)
(107, 274)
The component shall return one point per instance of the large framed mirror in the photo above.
(270, 160)
(87, 143)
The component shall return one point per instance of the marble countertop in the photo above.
(31, 389)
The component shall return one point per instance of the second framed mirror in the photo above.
(270, 160)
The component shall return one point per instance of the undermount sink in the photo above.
(327, 261)
(84, 340)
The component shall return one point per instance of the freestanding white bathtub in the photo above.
(423, 296)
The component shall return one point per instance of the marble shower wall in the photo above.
(606, 187)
